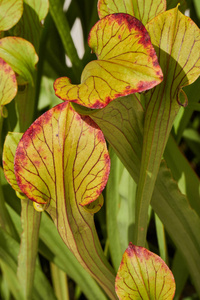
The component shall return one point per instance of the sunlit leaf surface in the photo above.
(20, 55)
(8, 83)
(10, 146)
(62, 160)
(143, 275)
(126, 64)
(62, 155)
(142, 10)
(10, 13)
(107, 7)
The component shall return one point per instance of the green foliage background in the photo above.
(57, 273)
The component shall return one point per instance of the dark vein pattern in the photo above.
(143, 10)
(176, 39)
(144, 275)
(62, 160)
(127, 63)
(52, 151)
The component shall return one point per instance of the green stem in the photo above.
(63, 27)
(30, 220)
(84, 243)
(159, 117)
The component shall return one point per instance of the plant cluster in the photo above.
(105, 149)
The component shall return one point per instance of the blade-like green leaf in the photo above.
(56, 9)
(8, 83)
(143, 275)
(176, 39)
(126, 64)
(120, 197)
(9, 249)
(11, 278)
(160, 231)
(112, 207)
(20, 55)
(183, 173)
(10, 13)
(180, 272)
(60, 282)
(62, 161)
(197, 6)
(142, 10)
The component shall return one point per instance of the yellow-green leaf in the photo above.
(176, 39)
(10, 13)
(62, 152)
(40, 7)
(107, 7)
(143, 275)
(62, 160)
(20, 55)
(8, 83)
(127, 63)
(9, 149)
(142, 10)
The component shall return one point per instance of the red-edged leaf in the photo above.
(62, 160)
(127, 63)
(143, 275)
(143, 10)
(8, 83)
(62, 151)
